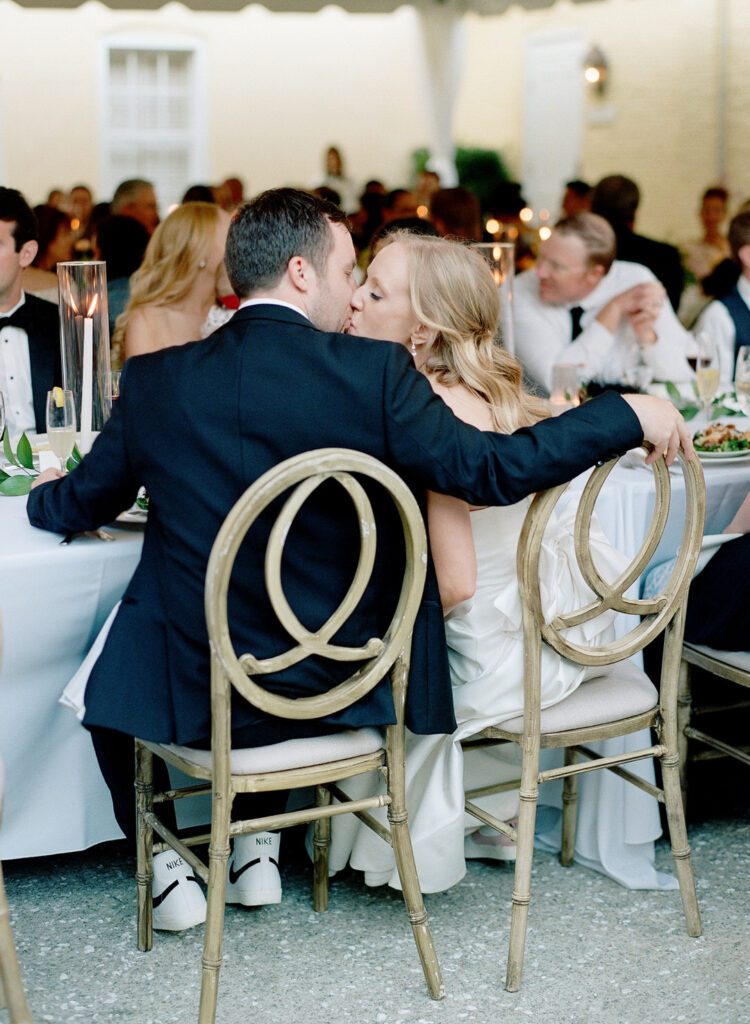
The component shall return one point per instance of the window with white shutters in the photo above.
(152, 118)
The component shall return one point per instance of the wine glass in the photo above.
(707, 371)
(742, 379)
(565, 393)
(61, 424)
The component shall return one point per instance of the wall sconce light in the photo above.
(595, 69)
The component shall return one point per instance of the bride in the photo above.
(440, 300)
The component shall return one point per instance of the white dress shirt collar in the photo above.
(11, 311)
(273, 302)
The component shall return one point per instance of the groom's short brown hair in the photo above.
(273, 228)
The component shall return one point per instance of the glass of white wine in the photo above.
(742, 379)
(707, 371)
(61, 424)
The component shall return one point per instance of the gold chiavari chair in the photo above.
(319, 762)
(619, 701)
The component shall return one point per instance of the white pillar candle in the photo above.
(87, 383)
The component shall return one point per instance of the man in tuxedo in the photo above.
(29, 326)
(580, 305)
(197, 424)
(616, 198)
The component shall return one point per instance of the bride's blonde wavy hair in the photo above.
(172, 261)
(454, 294)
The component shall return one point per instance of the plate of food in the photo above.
(722, 442)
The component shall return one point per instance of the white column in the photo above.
(444, 44)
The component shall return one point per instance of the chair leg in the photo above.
(11, 984)
(407, 873)
(684, 709)
(679, 841)
(521, 890)
(144, 789)
(218, 857)
(569, 812)
(321, 846)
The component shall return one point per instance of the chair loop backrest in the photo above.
(305, 473)
(655, 613)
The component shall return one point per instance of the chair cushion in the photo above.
(277, 757)
(737, 659)
(621, 691)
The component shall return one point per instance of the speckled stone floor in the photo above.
(596, 953)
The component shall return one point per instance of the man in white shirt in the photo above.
(29, 327)
(579, 305)
(727, 320)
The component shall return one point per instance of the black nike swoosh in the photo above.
(235, 875)
(158, 900)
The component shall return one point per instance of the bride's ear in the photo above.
(422, 336)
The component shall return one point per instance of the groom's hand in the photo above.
(663, 426)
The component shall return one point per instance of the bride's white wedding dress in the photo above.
(485, 648)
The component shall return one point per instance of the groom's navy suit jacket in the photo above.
(197, 424)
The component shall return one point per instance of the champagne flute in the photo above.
(707, 371)
(565, 393)
(742, 379)
(61, 424)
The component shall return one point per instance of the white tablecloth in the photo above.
(53, 601)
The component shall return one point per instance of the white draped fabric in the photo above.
(53, 602)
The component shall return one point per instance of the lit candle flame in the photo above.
(92, 306)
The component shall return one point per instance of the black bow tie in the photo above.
(576, 315)
(21, 317)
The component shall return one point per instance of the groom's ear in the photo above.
(299, 272)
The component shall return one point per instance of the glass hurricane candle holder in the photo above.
(501, 257)
(84, 343)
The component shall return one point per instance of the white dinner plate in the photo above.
(724, 456)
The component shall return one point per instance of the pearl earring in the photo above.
(413, 349)
(202, 265)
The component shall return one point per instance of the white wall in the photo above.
(280, 87)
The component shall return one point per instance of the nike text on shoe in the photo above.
(254, 879)
(179, 902)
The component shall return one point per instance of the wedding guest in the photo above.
(616, 198)
(29, 327)
(121, 243)
(727, 319)
(55, 198)
(580, 305)
(336, 179)
(136, 198)
(702, 255)
(178, 282)
(236, 192)
(199, 194)
(576, 198)
(399, 202)
(55, 240)
(456, 212)
(197, 424)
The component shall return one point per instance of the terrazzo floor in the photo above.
(596, 953)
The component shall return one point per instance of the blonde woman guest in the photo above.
(439, 299)
(175, 287)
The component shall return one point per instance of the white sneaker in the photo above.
(254, 879)
(179, 902)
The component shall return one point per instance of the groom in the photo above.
(197, 424)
